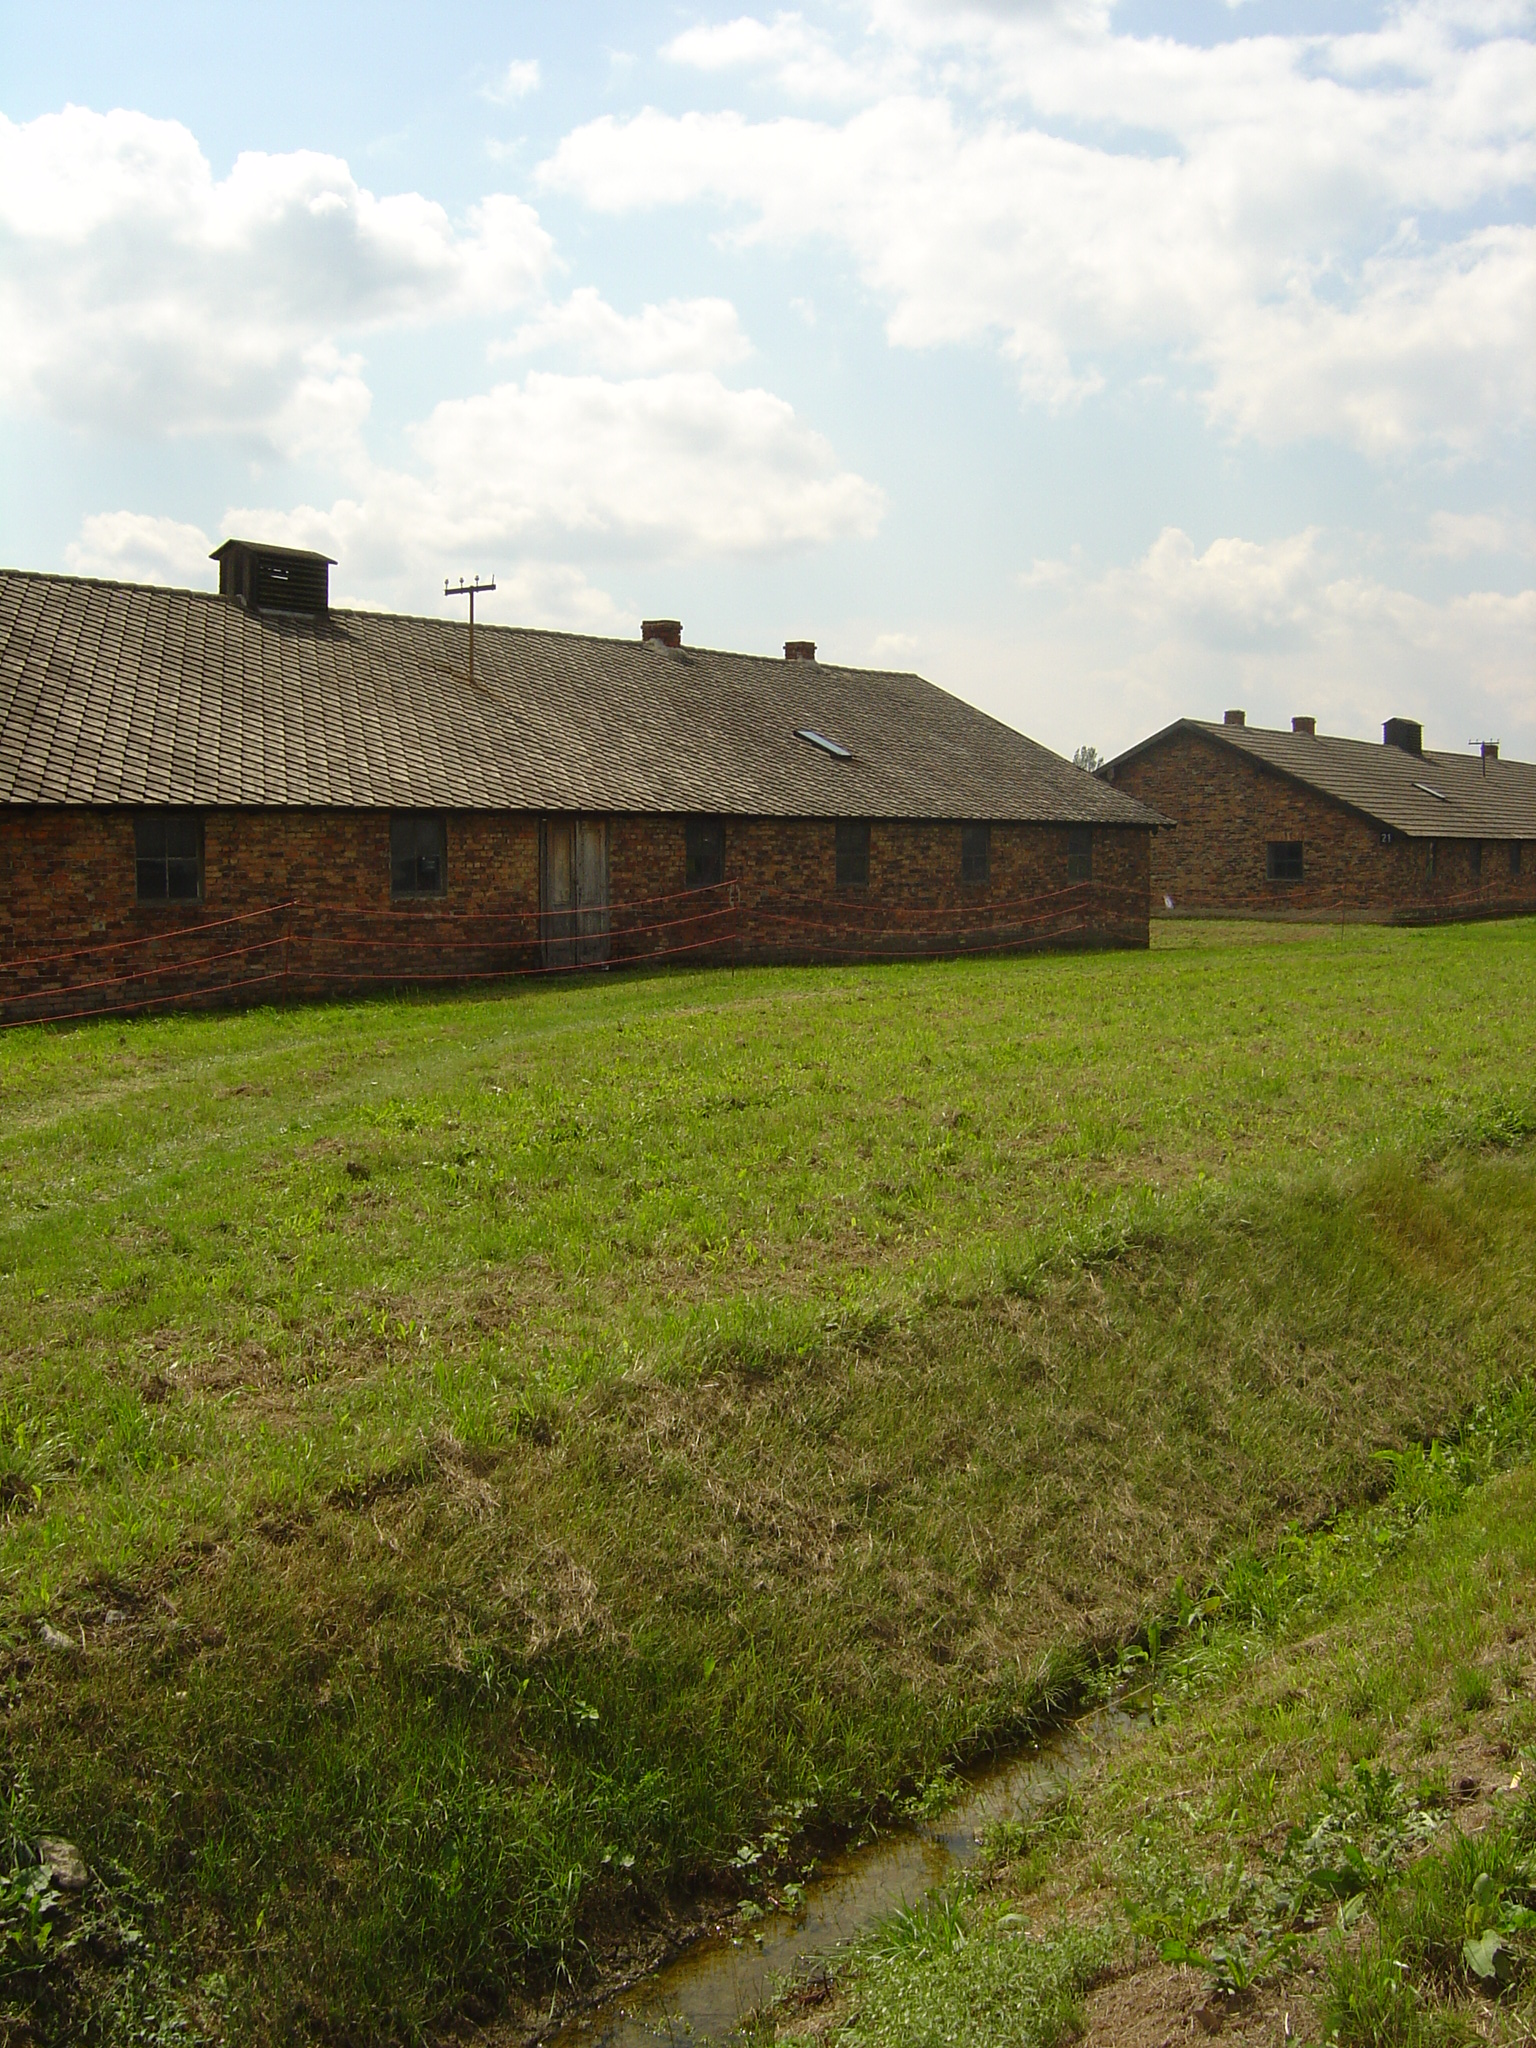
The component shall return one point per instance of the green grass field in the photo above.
(493, 1454)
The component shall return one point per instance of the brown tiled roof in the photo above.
(115, 693)
(1423, 796)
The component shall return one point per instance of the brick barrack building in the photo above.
(246, 794)
(1299, 824)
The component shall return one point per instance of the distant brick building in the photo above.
(248, 794)
(1299, 824)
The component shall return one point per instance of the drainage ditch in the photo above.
(709, 1991)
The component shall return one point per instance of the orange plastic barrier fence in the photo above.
(690, 922)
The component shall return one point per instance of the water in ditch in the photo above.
(706, 1993)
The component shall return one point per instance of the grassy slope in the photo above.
(1381, 1680)
(526, 1431)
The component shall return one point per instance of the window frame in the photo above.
(146, 822)
(418, 894)
(1079, 853)
(695, 832)
(850, 847)
(1279, 855)
(976, 868)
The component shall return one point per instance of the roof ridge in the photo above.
(482, 625)
(111, 583)
(1452, 757)
(1280, 732)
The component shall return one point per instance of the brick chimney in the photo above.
(1490, 752)
(799, 650)
(1306, 725)
(1235, 718)
(665, 632)
(1406, 733)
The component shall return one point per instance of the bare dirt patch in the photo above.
(1161, 2005)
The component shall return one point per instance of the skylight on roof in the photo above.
(1439, 795)
(819, 739)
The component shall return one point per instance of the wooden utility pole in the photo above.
(469, 590)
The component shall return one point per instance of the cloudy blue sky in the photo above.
(1103, 362)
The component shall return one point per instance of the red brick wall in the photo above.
(780, 898)
(298, 902)
(1227, 808)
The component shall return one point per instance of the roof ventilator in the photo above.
(272, 579)
(1439, 795)
(819, 739)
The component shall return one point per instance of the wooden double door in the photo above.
(573, 890)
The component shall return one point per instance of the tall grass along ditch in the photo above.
(1326, 1829)
(900, 1909)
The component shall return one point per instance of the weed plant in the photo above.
(937, 1984)
(1370, 2002)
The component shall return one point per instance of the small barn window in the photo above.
(1080, 854)
(975, 853)
(1514, 856)
(1282, 860)
(1475, 859)
(853, 854)
(168, 849)
(418, 855)
(705, 842)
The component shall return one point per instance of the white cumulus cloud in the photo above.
(1299, 623)
(892, 650)
(555, 470)
(519, 78)
(674, 463)
(682, 334)
(1457, 535)
(139, 547)
(1321, 236)
(140, 294)
(800, 60)
(1432, 347)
